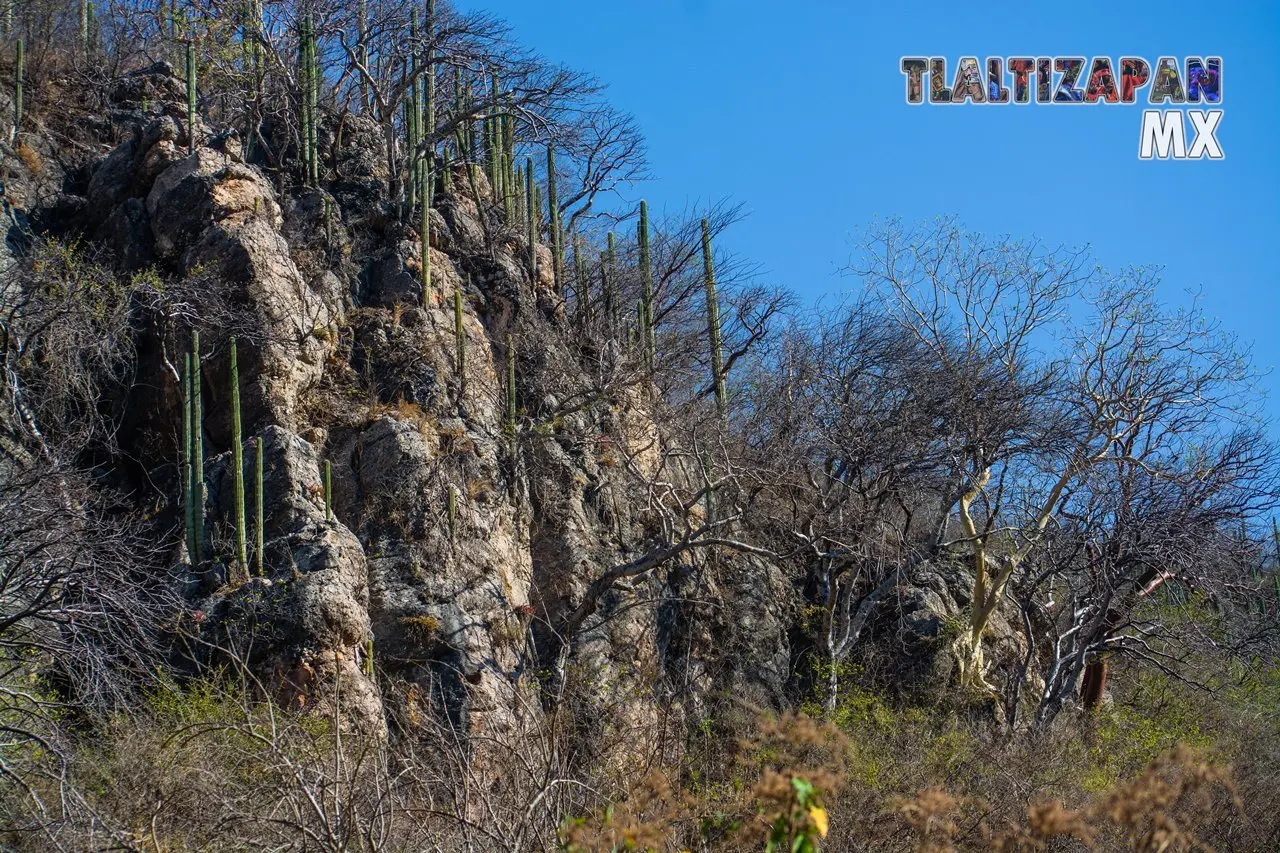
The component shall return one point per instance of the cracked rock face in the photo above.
(447, 552)
(306, 618)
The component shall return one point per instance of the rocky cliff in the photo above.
(460, 536)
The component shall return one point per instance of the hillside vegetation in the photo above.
(378, 472)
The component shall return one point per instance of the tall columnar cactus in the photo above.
(646, 288)
(188, 505)
(196, 454)
(1275, 538)
(191, 96)
(517, 204)
(609, 281)
(237, 468)
(460, 339)
(459, 106)
(713, 321)
(582, 281)
(452, 501)
(328, 490)
(309, 81)
(413, 116)
(429, 85)
(304, 101)
(511, 386)
(553, 222)
(531, 216)
(259, 514)
(512, 188)
(85, 15)
(425, 261)
(362, 47)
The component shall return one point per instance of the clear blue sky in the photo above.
(798, 110)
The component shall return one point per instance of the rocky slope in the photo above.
(429, 589)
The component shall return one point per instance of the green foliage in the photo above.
(802, 826)
(1127, 737)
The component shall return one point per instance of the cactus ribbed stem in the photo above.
(461, 341)
(553, 214)
(237, 468)
(413, 116)
(85, 14)
(511, 386)
(429, 84)
(191, 97)
(425, 262)
(513, 189)
(362, 48)
(531, 216)
(609, 282)
(197, 454)
(582, 281)
(713, 322)
(646, 289)
(259, 513)
(304, 103)
(313, 102)
(328, 491)
(452, 516)
(188, 521)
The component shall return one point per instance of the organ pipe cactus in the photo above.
(328, 490)
(553, 214)
(511, 386)
(191, 97)
(309, 82)
(582, 278)
(188, 505)
(413, 115)
(85, 14)
(461, 341)
(425, 262)
(237, 468)
(196, 454)
(646, 288)
(259, 525)
(19, 52)
(531, 217)
(713, 321)
(429, 84)
(452, 515)
(609, 281)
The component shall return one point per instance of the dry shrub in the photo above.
(30, 158)
(645, 820)
(1164, 808)
(1161, 809)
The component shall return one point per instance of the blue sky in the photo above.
(798, 111)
